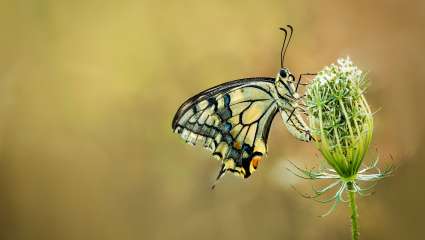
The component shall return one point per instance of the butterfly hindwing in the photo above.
(232, 120)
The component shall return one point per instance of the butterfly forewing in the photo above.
(232, 120)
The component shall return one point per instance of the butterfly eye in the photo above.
(283, 73)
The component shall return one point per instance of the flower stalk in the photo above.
(354, 216)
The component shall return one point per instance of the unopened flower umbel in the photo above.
(340, 118)
(341, 124)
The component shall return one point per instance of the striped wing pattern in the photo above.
(232, 120)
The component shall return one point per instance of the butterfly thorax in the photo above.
(288, 100)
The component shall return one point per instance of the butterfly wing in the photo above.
(232, 120)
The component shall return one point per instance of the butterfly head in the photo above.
(284, 73)
(284, 79)
(284, 84)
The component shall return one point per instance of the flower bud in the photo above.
(339, 116)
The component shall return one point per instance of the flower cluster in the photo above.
(343, 70)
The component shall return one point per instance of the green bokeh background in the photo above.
(88, 90)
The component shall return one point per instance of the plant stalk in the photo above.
(354, 216)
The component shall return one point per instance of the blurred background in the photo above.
(88, 90)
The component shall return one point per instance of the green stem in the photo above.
(354, 216)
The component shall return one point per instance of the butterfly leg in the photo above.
(305, 131)
(290, 115)
(300, 77)
(296, 125)
(301, 127)
(300, 109)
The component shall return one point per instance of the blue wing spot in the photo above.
(227, 127)
(227, 99)
(247, 148)
(228, 139)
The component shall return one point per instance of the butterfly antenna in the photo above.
(283, 47)
(289, 41)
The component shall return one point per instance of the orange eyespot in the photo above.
(237, 145)
(255, 161)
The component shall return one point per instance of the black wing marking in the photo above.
(232, 120)
(213, 91)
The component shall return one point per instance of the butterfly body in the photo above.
(287, 100)
(233, 119)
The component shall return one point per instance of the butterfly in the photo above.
(233, 119)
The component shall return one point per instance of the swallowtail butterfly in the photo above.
(233, 119)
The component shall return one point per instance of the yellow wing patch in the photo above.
(232, 122)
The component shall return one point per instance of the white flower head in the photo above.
(344, 70)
